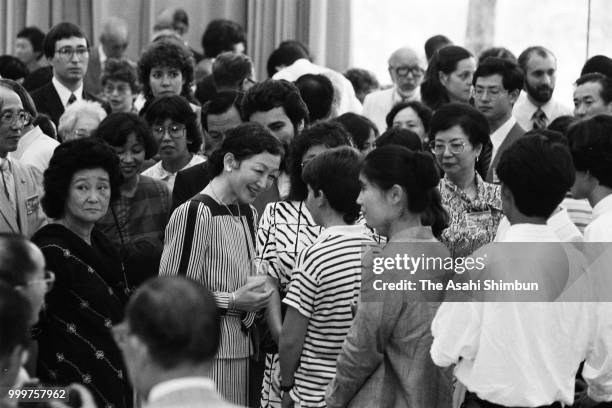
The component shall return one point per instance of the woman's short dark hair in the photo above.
(327, 133)
(70, 157)
(35, 36)
(538, 172)
(591, 147)
(433, 93)
(120, 70)
(12, 68)
(244, 141)
(416, 173)
(336, 174)
(221, 35)
(469, 119)
(177, 109)
(422, 111)
(166, 53)
(402, 137)
(116, 128)
(358, 126)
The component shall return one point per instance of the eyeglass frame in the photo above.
(116, 88)
(165, 130)
(448, 146)
(22, 115)
(67, 52)
(415, 70)
(49, 280)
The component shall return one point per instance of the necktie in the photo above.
(8, 182)
(71, 100)
(539, 119)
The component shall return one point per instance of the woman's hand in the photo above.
(252, 297)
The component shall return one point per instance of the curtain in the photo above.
(323, 25)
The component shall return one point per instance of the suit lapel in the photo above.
(8, 213)
(515, 132)
(20, 195)
(54, 103)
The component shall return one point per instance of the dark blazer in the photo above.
(91, 80)
(47, 101)
(515, 133)
(191, 181)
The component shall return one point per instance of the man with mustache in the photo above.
(67, 50)
(406, 71)
(535, 108)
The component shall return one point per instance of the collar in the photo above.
(167, 387)
(164, 174)
(397, 97)
(503, 130)
(530, 108)
(7, 160)
(602, 207)
(30, 136)
(478, 181)
(350, 230)
(102, 55)
(64, 93)
(530, 233)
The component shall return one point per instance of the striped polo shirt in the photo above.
(324, 285)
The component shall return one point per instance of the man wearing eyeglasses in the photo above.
(113, 43)
(67, 50)
(497, 84)
(20, 184)
(406, 70)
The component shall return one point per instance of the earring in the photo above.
(229, 169)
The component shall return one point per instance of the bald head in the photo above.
(406, 70)
(114, 37)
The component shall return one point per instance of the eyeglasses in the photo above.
(415, 70)
(174, 131)
(439, 148)
(121, 89)
(10, 117)
(49, 279)
(67, 52)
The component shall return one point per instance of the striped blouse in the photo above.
(208, 244)
(324, 285)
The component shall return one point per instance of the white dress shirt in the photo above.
(158, 172)
(378, 104)
(600, 229)
(524, 109)
(347, 101)
(35, 148)
(560, 223)
(515, 353)
(64, 93)
(498, 137)
(167, 387)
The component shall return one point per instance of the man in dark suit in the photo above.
(497, 85)
(169, 338)
(113, 43)
(67, 50)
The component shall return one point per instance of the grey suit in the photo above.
(28, 189)
(192, 397)
(515, 133)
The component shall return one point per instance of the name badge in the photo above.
(32, 204)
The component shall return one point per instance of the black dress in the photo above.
(87, 299)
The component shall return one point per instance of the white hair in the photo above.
(68, 120)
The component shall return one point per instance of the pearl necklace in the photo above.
(216, 197)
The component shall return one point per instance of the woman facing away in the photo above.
(384, 361)
(211, 239)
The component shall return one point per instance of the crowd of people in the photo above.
(175, 232)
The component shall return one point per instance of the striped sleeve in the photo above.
(303, 288)
(266, 240)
